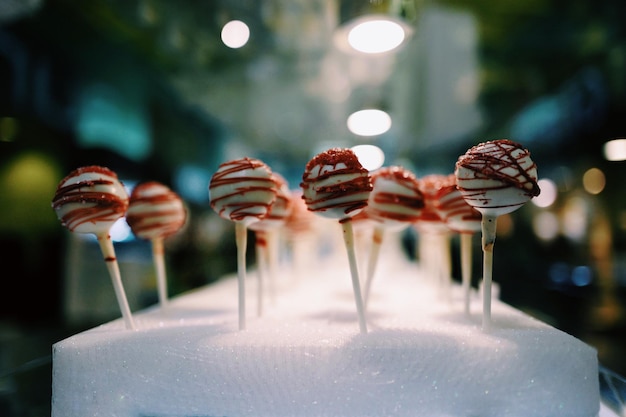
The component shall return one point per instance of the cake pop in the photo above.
(335, 185)
(464, 219)
(266, 231)
(434, 243)
(242, 191)
(394, 203)
(495, 177)
(154, 213)
(90, 200)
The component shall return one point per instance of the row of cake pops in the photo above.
(491, 179)
(91, 199)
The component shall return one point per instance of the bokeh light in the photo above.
(594, 181)
(376, 36)
(235, 34)
(369, 122)
(370, 156)
(615, 150)
(548, 194)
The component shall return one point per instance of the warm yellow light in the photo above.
(235, 34)
(376, 36)
(594, 181)
(369, 122)
(370, 156)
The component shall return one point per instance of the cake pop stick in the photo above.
(89, 200)
(335, 185)
(496, 178)
(394, 203)
(242, 191)
(154, 213)
(465, 220)
(266, 230)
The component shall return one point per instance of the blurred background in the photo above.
(166, 90)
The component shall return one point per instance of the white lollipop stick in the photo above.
(158, 257)
(106, 246)
(348, 237)
(261, 258)
(241, 237)
(377, 240)
(488, 240)
(466, 268)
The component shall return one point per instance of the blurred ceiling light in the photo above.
(615, 150)
(376, 36)
(369, 122)
(548, 193)
(235, 34)
(370, 156)
(372, 34)
(594, 181)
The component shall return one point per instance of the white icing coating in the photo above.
(497, 177)
(90, 200)
(336, 191)
(280, 208)
(395, 200)
(242, 190)
(155, 211)
(456, 212)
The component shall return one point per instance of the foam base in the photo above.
(306, 357)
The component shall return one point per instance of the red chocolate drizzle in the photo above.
(430, 186)
(241, 209)
(407, 180)
(143, 223)
(360, 184)
(450, 201)
(489, 160)
(106, 207)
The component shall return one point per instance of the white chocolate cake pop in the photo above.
(266, 233)
(497, 177)
(396, 200)
(394, 203)
(90, 200)
(242, 190)
(463, 219)
(454, 210)
(335, 184)
(280, 208)
(155, 211)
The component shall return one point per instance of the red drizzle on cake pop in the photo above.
(242, 190)
(502, 160)
(395, 196)
(90, 199)
(452, 207)
(280, 208)
(335, 184)
(155, 211)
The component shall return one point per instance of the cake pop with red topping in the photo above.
(91, 199)
(242, 191)
(154, 213)
(495, 177)
(335, 185)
